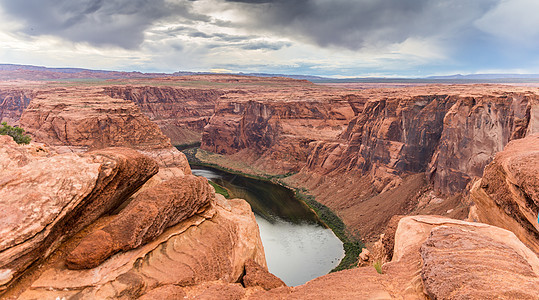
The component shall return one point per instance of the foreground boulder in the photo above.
(256, 275)
(211, 246)
(508, 194)
(50, 199)
(145, 218)
(463, 264)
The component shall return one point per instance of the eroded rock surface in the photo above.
(181, 113)
(50, 199)
(87, 119)
(376, 143)
(13, 101)
(463, 264)
(82, 119)
(210, 246)
(508, 194)
(143, 219)
(256, 275)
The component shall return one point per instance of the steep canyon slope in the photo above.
(362, 152)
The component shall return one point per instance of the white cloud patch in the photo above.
(513, 20)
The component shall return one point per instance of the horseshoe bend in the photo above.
(433, 189)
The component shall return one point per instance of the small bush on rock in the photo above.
(17, 133)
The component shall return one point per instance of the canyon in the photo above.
(432, 178)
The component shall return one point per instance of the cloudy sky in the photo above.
(410, 38)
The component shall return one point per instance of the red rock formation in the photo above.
(449, 133)
(447, 259)
(256, 275)
(278, 130)
(81, 119)
(50, 199)
(508, 194)
(86, 119)
(211, 246)
(143, 219)
(181, 113)
(463, 264)
(12, 103)
(474, 130)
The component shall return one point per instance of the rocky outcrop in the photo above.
(143, 219)
(474, 130)
(173, 232)
(207, 247)
(463, 264)
(257, 276)
(85, 119)
(434, 257)
(82, 119)
(508, 194)
(447, 134)
(278, 130)
(48, 200)
(451, 136)
(12, 103)
(181, 113)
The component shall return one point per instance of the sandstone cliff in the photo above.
(82, 119)
(362, 152)
(278, 126)
(181, 113)
(12, 103)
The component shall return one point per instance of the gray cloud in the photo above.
(354, 24)
(262, 45)
(113, 22)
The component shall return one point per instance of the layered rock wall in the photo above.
(12, 104)
(181, 113)
(281, 132)
(508, 194)
(350, 156)
(48, 200)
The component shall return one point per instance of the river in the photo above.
(298, 247)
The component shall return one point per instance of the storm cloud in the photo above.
(112, 22)
(352, 24)
(355, 24)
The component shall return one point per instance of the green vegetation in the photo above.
(219, 189)
(378, 266)
(352, 248)
(191, 155)
(17, 133)
(186, 146)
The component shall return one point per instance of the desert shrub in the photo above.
(17, 133)
(219, 189)
(378, 266)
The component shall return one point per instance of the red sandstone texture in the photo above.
(143, 219)
(174, 231)
(181, 113)
(508, 194)
(48, 200)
